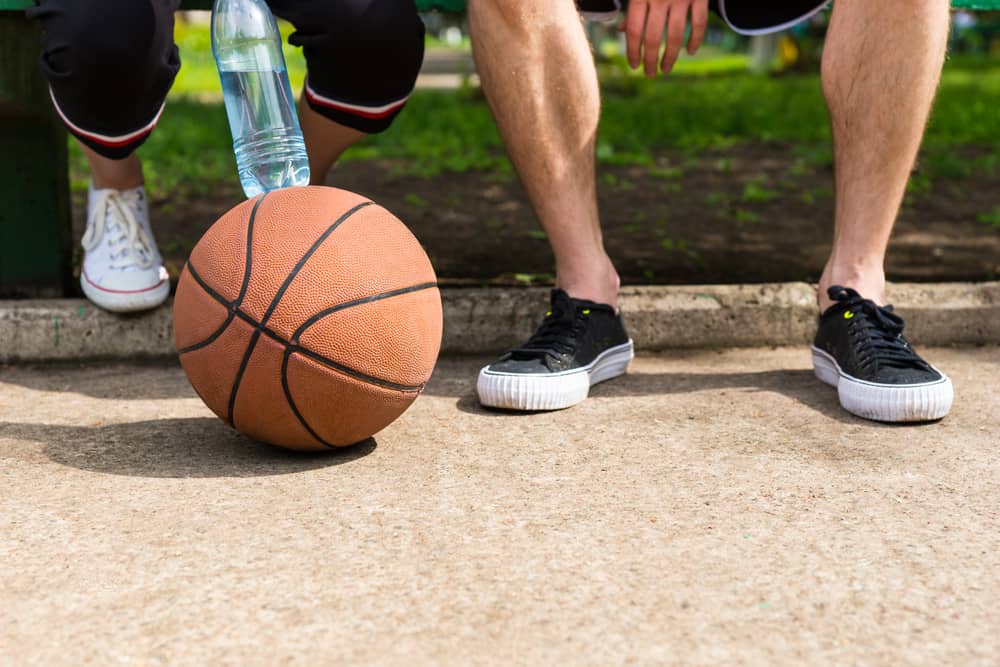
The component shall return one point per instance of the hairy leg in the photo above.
(538, 75)
(881, 66)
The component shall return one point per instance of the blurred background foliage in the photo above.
(731, 91)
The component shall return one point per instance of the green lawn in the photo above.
(712, 102)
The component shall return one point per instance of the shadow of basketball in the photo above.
(193, 447)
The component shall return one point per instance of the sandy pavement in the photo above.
(711, 508)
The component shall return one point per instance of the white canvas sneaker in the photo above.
(122, 268)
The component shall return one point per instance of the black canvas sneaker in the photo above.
(860, 350)
(579, 344)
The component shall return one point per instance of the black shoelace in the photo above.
(877, 331)
(556, 334)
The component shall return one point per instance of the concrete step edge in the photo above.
(488, 320)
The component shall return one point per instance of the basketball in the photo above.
(308, 318)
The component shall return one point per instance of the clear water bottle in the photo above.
(267, 140)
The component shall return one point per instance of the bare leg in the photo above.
(117, 174)
(881, 66)
(539, 78)
(325, 141)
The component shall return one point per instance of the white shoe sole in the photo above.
(555, 391)
(126, 301)
(886, 403)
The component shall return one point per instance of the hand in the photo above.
(646, 22)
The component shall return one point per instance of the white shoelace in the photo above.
(130, 245)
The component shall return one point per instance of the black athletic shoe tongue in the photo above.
(891, 352)
(565, 301)
(846, 299)
(554, 335)
(561, 306)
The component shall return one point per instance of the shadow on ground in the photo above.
(192, 447)
(796, 384)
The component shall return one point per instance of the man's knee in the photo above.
(118, 39)
(363, 57)
(109, 64)
(321, 25)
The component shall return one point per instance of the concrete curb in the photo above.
(487, 320)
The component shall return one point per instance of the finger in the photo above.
(675, 38)
(655, 23)
(699, 21)
(634, 23)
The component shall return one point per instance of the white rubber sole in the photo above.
(127, 301)
(884, 403)
(512, 391)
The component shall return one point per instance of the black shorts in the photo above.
(747, 17)
(110, 63)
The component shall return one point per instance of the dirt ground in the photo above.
(751, 213)
(709, 508)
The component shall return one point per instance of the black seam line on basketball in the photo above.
(356, 374)
(249, 262)
(218, 332)
(358, 302)
(305, 258)
(337, 366)
(267, 331)
(259, 327)
(211, 292)
(291, 401)
(239, 375)
(211, 339)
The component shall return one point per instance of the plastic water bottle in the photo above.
(267, 140)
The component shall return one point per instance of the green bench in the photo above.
(36, 247)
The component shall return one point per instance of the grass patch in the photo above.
(413, 199)
(671, 173)
(755, 191)
(991, 218)
(742, 215)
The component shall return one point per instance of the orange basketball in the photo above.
(308, 318)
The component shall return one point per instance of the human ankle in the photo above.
(118, 183)
(868, 282)
(599, 288)
(123, 174)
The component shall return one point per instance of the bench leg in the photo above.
(35, 228)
